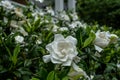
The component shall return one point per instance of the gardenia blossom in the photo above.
(102, 40)
(7, 4)
(19, 39)
(62, 50)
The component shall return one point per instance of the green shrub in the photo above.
(105, 12)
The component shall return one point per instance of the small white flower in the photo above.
(50, 11)
(102, 40)
(14, 24)
(62, 50)
(76, 24)
(63, 16)
(74, 16)
(63, 29)
(7, 4)
(19, 12)
(36, 13)
(19, 39)
(55, 28)
(91, 77)
(38, 41)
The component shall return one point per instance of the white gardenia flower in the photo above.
(7, 4)
(19, 39)
(62, 50)
(102, 40)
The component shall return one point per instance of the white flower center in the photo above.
(63, 48)
(102, 35)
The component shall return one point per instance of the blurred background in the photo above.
(102, 12)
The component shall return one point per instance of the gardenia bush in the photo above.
(36, 44)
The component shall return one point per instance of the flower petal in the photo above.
(46, 58)
(55, 61)
(67, 63)
(99, 49)
(72, 40)
(77, 69)
(49, 47)
(58, 37)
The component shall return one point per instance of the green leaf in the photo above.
(89, 39)
(15, 54)
(27, 62)
(37, 23)
(87, 42)
(16, 50)
(65, 78)
(42, 73)
(34, 78)
(17, 73)
(52, 76)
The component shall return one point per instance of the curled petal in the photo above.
(55, 61)
(72, 40)
(46, 58)
(67, 63)
(58, 58)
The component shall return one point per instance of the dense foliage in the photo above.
(105, 12)
(36, 44)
